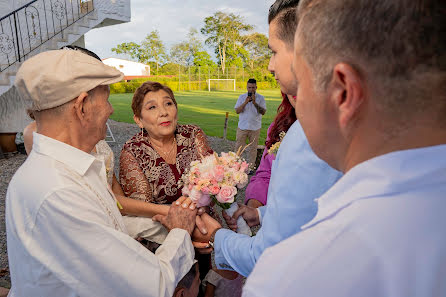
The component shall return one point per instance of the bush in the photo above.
(185, 85)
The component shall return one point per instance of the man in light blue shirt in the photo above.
(298, 177)
(374, 109)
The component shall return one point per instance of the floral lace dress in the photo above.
(105, 153)
(146, 176)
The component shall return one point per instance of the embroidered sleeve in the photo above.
(133, 181)
(201, 143)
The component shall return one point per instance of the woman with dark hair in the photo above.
(257, 190)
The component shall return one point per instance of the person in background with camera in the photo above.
(250, 107)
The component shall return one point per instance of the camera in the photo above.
(249, 94)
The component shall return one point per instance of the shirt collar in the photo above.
(74, 158)
(394, 172)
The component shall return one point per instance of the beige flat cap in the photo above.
(53, 78)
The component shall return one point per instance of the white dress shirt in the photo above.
(66, 236)
(250, 118)
(379, 231)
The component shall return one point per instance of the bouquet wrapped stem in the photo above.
(242, 226)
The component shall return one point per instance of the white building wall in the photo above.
(129, 68)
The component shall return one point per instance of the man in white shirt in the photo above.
(371, 99)
(250, 107)
(65, 234)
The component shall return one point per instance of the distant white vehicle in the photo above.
(130, 69)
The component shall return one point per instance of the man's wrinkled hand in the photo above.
(179, 216)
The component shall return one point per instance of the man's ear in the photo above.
(347, 93)
(138, 121)
(80, 108)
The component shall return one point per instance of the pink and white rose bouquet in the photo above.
(215, 178)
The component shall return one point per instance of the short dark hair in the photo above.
(147, 87)
(252, 81)
(188, 279)
(285, 13)
(82, 50)
(398, 45)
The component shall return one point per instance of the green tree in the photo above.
(202, 58)
(132, 49)
(184, 52)
(256, 53)
(154, 48)
(224, 33)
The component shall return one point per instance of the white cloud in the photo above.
(173, 19)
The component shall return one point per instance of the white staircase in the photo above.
(41, 26)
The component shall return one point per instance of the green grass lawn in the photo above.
(205, 109)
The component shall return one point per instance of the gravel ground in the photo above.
(122, 132)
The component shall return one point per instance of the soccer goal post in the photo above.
(209, 81)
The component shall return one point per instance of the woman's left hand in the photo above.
(185, 202)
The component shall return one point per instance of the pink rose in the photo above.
(214, 189)
(244, 167)
(226, 194)
(194, 195)
(199, 198)
(205, 190)
(241, 179)
(219, 173)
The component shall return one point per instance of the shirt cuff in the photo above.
(261, 210)
(219, 258)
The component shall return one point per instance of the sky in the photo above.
(173, 19)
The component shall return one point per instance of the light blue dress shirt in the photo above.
(379, 231)
(298, 177)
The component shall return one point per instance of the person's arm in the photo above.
(257, 189)
(114, 264)
(260, 109)
(210, 290)
(201, 143)
(135, 185)
(141, 208)
(240, 107)
(233, 251)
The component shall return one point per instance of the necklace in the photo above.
(165, 153)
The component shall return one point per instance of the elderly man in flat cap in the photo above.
(65, 233)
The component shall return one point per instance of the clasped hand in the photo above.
(183, 214)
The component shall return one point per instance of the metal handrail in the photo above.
(11, 13)
(28, 27)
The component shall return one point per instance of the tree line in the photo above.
(234, 42)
